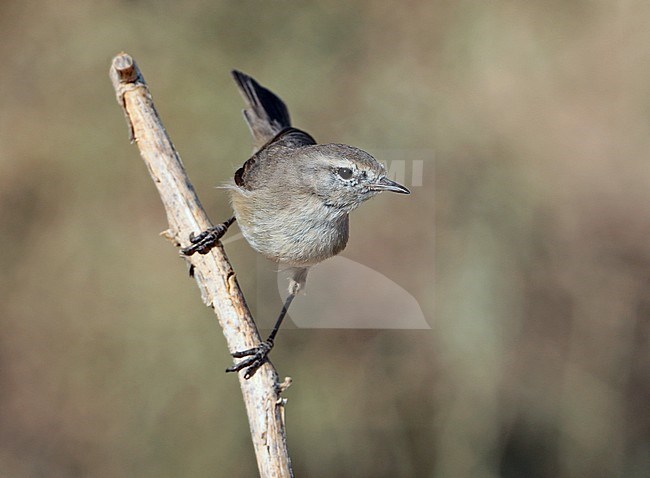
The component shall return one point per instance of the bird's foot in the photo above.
(206, 240)
(253, 359)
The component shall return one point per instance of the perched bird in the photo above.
(292, 198)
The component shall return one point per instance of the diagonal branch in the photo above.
(213, 272)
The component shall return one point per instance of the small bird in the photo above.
(292, 198)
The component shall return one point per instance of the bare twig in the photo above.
(213, 272)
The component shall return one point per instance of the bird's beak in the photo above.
(385, 184)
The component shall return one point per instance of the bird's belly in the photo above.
(294, 241)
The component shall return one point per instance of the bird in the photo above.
(291, 199)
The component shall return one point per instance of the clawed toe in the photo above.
(204, 241)
(253, 359)
(196, 238)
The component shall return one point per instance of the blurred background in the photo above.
(525, 247)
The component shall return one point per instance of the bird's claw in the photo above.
(204, 241)
(253, 359)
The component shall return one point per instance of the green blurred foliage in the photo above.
(533, 117)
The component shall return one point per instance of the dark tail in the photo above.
(265, 113)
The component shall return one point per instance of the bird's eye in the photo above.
(345, 173)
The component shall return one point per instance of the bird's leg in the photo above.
(256, 357)
(206, 240)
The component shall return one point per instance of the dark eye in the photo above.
(345, 173)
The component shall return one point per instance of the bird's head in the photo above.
(343, 176)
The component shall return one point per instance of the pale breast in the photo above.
(292, 232)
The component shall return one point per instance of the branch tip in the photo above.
(125, 68)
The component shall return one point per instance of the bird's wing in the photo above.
(287, 139)
(265, 113)
(291, 138)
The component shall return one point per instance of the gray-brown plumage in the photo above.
(292, 198)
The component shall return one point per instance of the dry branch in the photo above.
(213, 272)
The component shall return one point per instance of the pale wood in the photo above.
(213, 272)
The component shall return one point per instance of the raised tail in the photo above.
(265, 113)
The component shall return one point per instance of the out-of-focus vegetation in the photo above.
(534, 120)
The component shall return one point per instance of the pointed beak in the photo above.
(385, 184)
